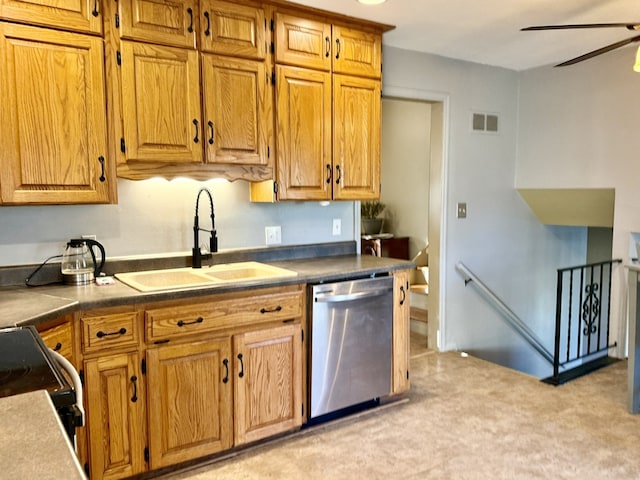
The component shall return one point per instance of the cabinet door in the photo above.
(236, 110)
(190, 397)
(232, 29)
(161, 103)
(401, 332)
(115, 400)
(303, 99)
(167, 22)
(76, 15)
(356, 138)
(303, 42)
(52, 121)
(268, 388)
(356, 52)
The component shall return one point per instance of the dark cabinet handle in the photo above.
(339, 175)
(404, 295)
(207, 30)
(102, 178)
(134, 398)
(225, 362)
(190, 27)
(58, 347)
(212, 136)
(328, 173)
(327, 41)
(102, 334)
(182, 323)
(196, 139)
(337, 48)
(95, 8)
(271, 310)
(241, 374)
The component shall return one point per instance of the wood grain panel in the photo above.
(401, 332)
(303, 42)
(75, 15)
(304, 164)
(233, 29)
(109, 331)
(268, 397)
(159, 21)
(189, 404)
(115, 417)
(356, 52)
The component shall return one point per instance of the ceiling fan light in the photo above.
(636, 67)
(371, 2)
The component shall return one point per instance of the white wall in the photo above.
(406, 149)
(579, 128)
(156, 216)
(500, 240)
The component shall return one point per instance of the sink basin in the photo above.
(223, 274)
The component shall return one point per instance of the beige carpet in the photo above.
(465, 419)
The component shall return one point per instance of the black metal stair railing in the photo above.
(583, 306)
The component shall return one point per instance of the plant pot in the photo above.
(371, 226)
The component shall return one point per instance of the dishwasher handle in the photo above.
(333, 298)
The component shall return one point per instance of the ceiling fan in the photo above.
(629, 26)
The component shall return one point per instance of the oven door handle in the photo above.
(332, 298)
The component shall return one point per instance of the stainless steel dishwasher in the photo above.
(351, 325)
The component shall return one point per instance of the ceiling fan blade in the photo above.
(628, 26)
(600, 51)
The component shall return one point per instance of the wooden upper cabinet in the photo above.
(167, 22)
(356, 138)
(356, 52)
(232, 29)
(302, 42)
(53, 143)
(303, 107)
(268, 382)
(76, 15)
(190, 401)
(161, 103)
(237, 110)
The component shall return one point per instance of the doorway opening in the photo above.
(412, 163)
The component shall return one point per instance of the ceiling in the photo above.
(488, 31)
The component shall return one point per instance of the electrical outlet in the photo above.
(337, 226)
(461, 210)
(273, 235)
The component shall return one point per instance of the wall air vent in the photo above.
(484, 122)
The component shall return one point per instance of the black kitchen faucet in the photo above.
(213, 239)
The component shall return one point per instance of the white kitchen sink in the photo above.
(223, 274)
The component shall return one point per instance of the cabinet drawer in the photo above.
(59, 339)
(225, 312)
(107, 331)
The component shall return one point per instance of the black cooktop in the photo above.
(26, 365)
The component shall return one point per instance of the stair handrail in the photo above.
(512, 319)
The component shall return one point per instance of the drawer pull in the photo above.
(207, 31)
(182, 323)
(271, 310)
(241, 374)
(134, 398)
(102, 334)
(190, 27)
(404, 295)
(58, 347)
(225, 362)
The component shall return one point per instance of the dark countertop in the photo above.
(33, 443)
(20, 305)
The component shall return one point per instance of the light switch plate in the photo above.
(337, 226)
(461, 210)
(273, 235)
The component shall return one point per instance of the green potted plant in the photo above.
(370, 212)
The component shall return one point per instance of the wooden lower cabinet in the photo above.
(401, 332)
(268, 382)
(190, 401)
(115, 404)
